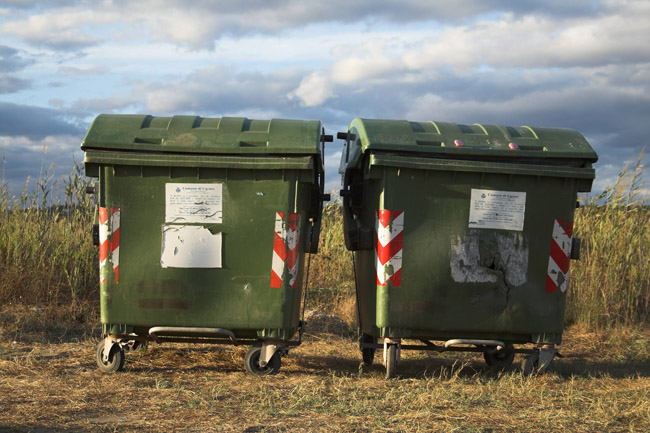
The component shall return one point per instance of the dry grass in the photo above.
(611, 282)
(601, 384)
(46, 251)
(331, 279)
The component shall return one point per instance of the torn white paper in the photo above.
(190, 247)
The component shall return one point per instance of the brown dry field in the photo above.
(49, 383)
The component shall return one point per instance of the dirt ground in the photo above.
(50, 383)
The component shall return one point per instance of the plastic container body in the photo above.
(462, 231)
(204, 223)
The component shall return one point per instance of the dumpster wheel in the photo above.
(392, 359)
(499, 358)
(115, 358)
(252, 359)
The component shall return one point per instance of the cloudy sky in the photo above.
(581, 64)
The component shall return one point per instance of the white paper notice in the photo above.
(190, 247)
(490, 209)
(193, 203)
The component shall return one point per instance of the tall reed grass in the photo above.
(331, 280)
(46, 251)
(610, 284)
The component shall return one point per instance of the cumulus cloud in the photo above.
(102, 105)
(219, 89)
(34, 137)
(34, 123)
(582, 106)
(25, 4)
(12, 61)
(66, 25)
(73, 71)
(510, 42)
(313, 90)
(9, 84)
(536, 41)
(58, 30)
(27, 159)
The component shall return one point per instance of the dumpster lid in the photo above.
(455, 140)
(193, 134)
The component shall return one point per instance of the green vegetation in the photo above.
(610, 284)
(46, 252)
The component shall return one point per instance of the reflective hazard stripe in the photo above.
(558, 263)
(286, 250)
(389, 244)
(103, 242)
(115, 241)
(109, 218)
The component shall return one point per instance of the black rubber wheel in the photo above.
(252, 362)
(391, 361)
(367, 353)
(500, 358)
(115, 358)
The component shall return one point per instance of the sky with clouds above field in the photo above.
(581, 64)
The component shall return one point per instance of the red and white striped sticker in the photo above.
(109, 223)
(390, 236)
(558, 262)
(286, 250)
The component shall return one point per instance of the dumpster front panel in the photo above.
(233, 260)
(453, 277)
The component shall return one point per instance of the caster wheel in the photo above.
(501, 358)
(115, 358)
(252, 362)
(391, 361)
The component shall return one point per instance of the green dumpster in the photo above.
(462, 235)
(203, 225)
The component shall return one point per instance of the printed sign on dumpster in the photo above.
(193, 203)
(497, 209)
